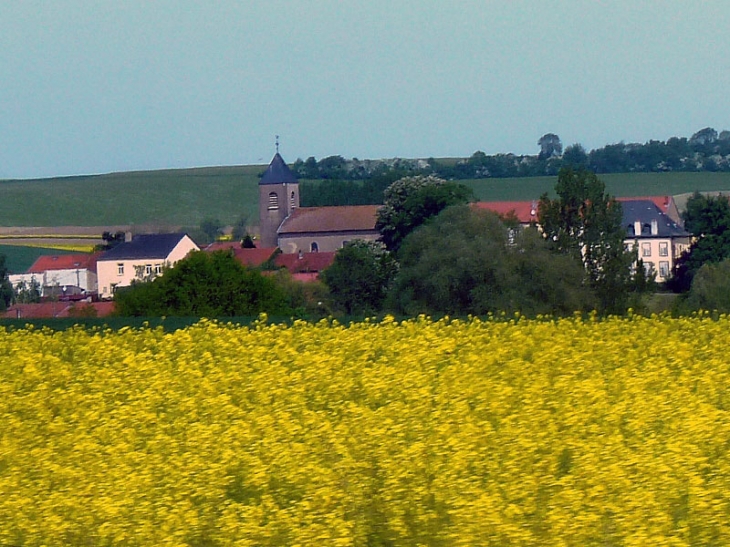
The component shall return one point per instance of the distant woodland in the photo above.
(349, 182)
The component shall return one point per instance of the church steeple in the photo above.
(278, 197)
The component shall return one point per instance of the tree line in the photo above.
(336, 181)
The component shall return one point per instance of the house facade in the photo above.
(658, 239)
(141, 257)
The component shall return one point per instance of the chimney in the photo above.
(654, 227)
(637, 228)
(127, 237)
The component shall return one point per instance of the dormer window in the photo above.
(273, 200)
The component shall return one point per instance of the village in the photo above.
(301, 240)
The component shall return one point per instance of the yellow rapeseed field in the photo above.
(573, 432)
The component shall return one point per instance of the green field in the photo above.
(181, 197)
(184, 197)
(19, 259)
(617, 184)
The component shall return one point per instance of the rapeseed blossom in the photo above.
(568, 432)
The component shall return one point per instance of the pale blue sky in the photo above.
(113, 85)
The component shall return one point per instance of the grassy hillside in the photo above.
(186, 196)
(177, 197)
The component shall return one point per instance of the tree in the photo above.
(575, 156)
(204, 285)
(703, 137)
(247, 242)
(550, 146)
(28, 293)
(360, 276)
(111, 240)
(411, 201)
(707, 218)
(467, 261)
(240, 228)
(209, 230)
(586, 223)
(711, 288)
(6, 289)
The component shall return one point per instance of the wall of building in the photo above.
(661, 253)
(329, 242)
(270, 216)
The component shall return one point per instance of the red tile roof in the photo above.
(346, 218)
(81, 261)
(247, 257)
(525, 211)
(253, 257)
(309, 262)
(47, 310)
(222, 246)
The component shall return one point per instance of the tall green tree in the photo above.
(468, 261)
(707, 218)
(585, 223)
(550, 146)
(411, 201)
(710, 288)
(360, 276)
(6, 289)
(204, 285)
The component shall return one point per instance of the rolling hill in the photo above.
(184, 197)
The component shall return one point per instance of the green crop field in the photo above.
(181, 197)
(20, 258)
(184, 197)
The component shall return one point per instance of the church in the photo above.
(294, 229)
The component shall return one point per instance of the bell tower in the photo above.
(278, 197)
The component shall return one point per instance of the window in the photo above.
(120, 269)
(664, 269)
(148, 269)
(663, 248)
(292, 200)
(314, 248)
(273, 200)
(112, 288)
(158, 269)
(646, 248)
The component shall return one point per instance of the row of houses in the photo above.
(304, 240)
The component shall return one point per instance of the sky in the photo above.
(98, 86)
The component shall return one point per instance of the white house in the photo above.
(69, 275)
(141, 257)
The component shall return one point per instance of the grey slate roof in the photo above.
(144, 246)
(646, 211)
(277, 172)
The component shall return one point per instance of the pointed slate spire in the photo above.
(278, 172)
